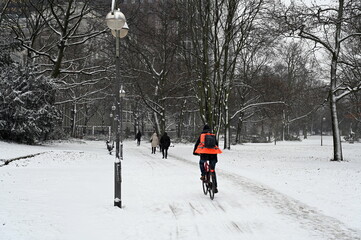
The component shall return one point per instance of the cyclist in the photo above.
(208, 150)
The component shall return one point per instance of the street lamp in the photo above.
(322, 120)
(111, 126)
(121, 95)
(116, 21)
(123, 32)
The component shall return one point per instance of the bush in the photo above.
(292, 138)
(27, 113)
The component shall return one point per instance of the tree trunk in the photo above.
(227, 131)
(283, 126)
(162, 123)
(156, 123)
(239, 128)
(337, 148)
(73, 120)
(238, 131)
(56, 69)
(304, 131)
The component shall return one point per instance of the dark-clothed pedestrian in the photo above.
(138, 137)
(164, 144)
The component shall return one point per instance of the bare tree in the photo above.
(301, 91)
(219, 31)
(326, 26)
(154, 43)
(53, 30)
(3, 10)
(65, 40)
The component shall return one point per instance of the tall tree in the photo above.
(65, 41)
(218, 32)
(301, 93)
(53, 30)
(154, 41)
(3, 8)
(326, 26)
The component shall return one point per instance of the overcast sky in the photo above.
(315, 2)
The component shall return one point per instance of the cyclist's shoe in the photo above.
(203, 178)
(216, 190)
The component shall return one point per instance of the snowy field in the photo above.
(287, 191)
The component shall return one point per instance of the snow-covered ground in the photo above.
(286, 191)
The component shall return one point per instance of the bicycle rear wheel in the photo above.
(212, 185)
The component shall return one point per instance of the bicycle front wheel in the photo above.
(212, 186)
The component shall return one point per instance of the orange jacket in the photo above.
(201, 149)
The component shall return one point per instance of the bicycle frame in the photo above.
(209, 183)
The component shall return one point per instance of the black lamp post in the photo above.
(117, 23)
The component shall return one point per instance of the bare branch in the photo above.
(84, 71)
(89, 36)
(254, 105)
(350, 36)
(313, 37)
(34, 50)
(2, 13)
(88, 94)
(309, 113)
(346, 91)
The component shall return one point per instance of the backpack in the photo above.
(210, 141)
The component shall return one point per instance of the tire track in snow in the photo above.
(152, 161)
(306, 216)
(202, 207)
(194, 210)
(157, 164)
(176, 211)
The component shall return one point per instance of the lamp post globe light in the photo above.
(123, 31)
(116, 21)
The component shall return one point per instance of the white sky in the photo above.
(312, 2)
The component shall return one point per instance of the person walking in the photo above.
(164, 144)
(138, 137)
(207, 148)
(154, 142)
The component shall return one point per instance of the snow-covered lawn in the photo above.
(286, 191)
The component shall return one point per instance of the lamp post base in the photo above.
(117, 182)
(117, 203)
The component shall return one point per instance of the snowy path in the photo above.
(240, 192)
(69, 195)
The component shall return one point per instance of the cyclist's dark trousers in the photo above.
(212, 166)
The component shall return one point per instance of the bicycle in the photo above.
(209, 184)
